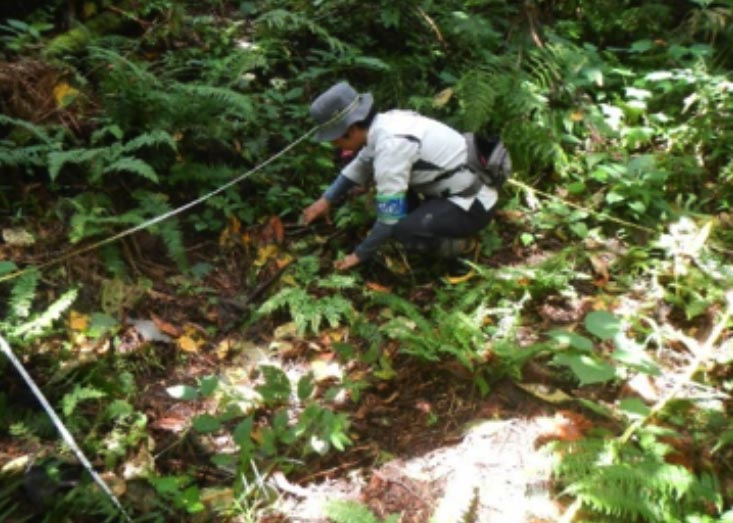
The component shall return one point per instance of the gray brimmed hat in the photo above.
(337, 108)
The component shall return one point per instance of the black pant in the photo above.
(437, 219)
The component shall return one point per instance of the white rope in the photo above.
(65, 434)
(164, 216)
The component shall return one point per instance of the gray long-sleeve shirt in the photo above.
(405, 150)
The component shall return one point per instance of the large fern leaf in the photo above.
(134, 166)
(57, 160)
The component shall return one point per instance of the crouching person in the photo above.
(427, 196)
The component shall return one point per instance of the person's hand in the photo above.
(315, 210)
(346, 263)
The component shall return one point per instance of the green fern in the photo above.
(156, 138)
(226, 100)
(626, 483)
(134, 166)
(289, 22)
(43, 321)
(446, 333)
(22, 295)
(155, 204)
(308, 312)
(57, 160)
(35, 130)
(79, 394)
(351, 512)
(113, 158)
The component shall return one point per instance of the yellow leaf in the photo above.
(264, 253)
(223, 348)
(64, 94)
(188, 344)
(288, 279)
(443, 97)
(78, 322)
(543, 392)
(89, 9)
(337, 336)
(283, 261)
(576, 116)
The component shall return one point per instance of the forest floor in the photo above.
(426, 443)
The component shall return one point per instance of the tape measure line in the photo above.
(160, 218)
(65, 434)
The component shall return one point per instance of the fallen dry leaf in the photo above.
(545, 393)
(376, 287)
(273, 231)
(78, 322)
(564, 426)
(170, 423)
(264, 253)
(188, 344)
(165, 327)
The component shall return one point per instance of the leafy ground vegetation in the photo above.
(213, 366)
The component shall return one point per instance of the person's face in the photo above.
(353, 140)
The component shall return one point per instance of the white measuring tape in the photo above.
(65, 434)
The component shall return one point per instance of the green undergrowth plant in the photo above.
(275, 421)
(312, 298)
(353, 512)
(634, 482)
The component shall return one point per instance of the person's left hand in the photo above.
(351, 260)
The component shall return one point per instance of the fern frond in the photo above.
(290, 22)
(156, 138)
(22, 295)
(44, 320)
(36, 130)
(134, 166)
(77, 395)
(139, 71)
(154, 204)
(309, 311)
(31, 156)
(626, 482)
(228, 101)
(57, 160)
(478, 96)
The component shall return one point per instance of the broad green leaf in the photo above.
(634, 408)
(305, 387)
(100, 324)
(208, 384)
(571, 339)
(580, 229)
(182, 392)
(6, 267)
(602, 324)
(243, 432)
(587, 368)
(119, 409)
(206, 423)
(633, 355)
(641, 46)
(598, 408)
(276, 388)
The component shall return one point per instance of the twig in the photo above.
(432, 26)
(702, 354)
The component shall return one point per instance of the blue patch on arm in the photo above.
(391, 208)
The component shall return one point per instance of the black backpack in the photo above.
(488, 158)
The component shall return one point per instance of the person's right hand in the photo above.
(315, 210)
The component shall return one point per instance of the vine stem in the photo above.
(702, 354)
